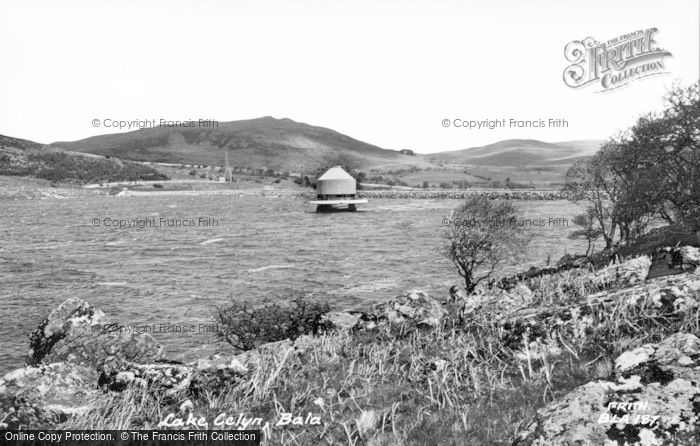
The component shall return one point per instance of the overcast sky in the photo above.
(386, 72)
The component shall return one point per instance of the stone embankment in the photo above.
(503, 194)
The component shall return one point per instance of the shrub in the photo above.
(482, 235)
(245, 327)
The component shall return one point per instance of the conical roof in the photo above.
(336, 173)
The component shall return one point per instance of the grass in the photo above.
(383, 390)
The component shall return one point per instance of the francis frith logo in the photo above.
(616, 62)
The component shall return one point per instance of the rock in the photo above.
(45, 395)
(211, 375)
(690, 258)
(186, 407)
(275, 351)
(218, 362)
(415, 307)
(654, 382)
(622, 274)
(71, 313)
(168, 378)
(538, 330)
(304, 343)
(216, 374)
(77, 332)
(458, 295)
(341, 320)
(522, 292)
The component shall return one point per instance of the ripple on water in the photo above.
(262, 249)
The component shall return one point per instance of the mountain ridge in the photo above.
(522, 152)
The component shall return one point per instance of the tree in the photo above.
(591, 181)
(482, 234)
(426, 185)
(658, 161)
(589, 230)
(651, 170)
(360, 178)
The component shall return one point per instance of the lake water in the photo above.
(172, 277)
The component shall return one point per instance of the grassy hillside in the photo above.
(279, 144)
(521, 152)
(19, 157)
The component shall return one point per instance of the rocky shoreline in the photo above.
(76, 361)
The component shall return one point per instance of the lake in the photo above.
(175, 269)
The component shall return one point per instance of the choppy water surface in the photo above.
(262, 248)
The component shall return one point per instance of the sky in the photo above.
(387, 73)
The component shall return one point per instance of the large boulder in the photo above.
(653, 398)
(415, 307)
(341, 320)
(78, 333)
(46, 395)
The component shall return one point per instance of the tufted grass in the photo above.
(384, 388)
(457, 384)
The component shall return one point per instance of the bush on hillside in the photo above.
(246, 327)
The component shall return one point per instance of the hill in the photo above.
(279, 144)
(521, 152)
(20, 157)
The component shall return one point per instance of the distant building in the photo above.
(335, 183)
(406, 152)
(336, 190)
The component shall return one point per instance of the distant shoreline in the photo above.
(376, 194)
(28, 188)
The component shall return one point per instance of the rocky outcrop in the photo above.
(166, 378)
(78, 333)
(211, 374)
(540, 330)
(621, 274)
(341, 320)
(77, 356)
(653, 398)
(47, 394)
(415, 307)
